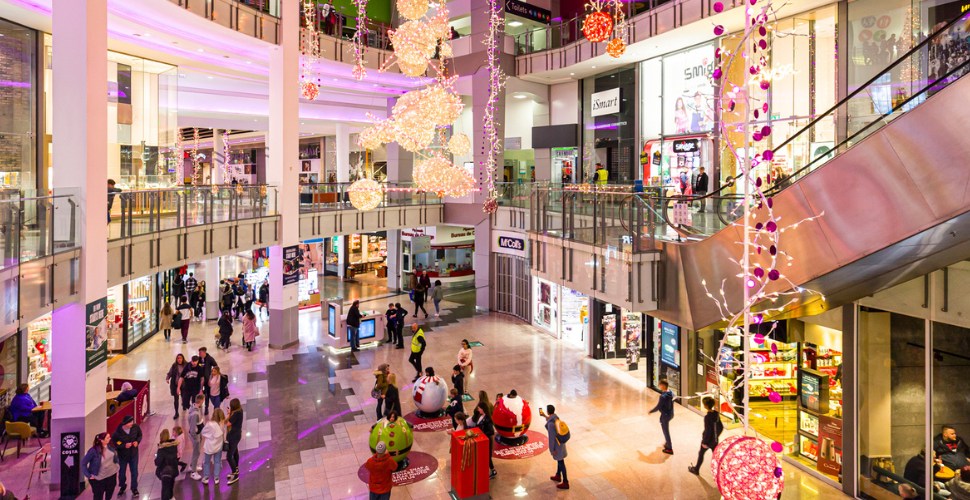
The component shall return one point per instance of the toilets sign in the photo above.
(606, 102)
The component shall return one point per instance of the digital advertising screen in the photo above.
(670, 344)
(332, 320)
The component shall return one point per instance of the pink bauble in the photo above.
(745, 468)
(511, 416)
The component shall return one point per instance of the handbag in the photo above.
(375, 392)
(218, 335)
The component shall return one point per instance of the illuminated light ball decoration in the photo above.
(365, 194)
(491, 206)
(412, 9)
(597, 26)
(309, 90)
(616, 47)
(746, 468)
(459, 144)
(359, 72)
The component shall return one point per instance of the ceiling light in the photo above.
(515, 24)
(334, 79)
(210, 77)
(148, 34)
(572, 74)
(594, 67)
(249, 62)
(200, 50)
(520, 96)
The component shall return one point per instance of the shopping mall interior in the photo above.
(699, 236)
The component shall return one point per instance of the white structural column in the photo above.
(213, 291)
(343, 152)
(80, 157)
(218, 159)
(283, 141)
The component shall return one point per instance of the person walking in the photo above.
(250, 330)
(172, 379)
(380, 386)
(353, 326)
(100, 467)
(264, 295)
(225, 331)
(195, 423)
(436, 295)
(126, 439)
(190, 382)
(250, 298)
(392, 397)
(465, 362)
(167, 464)
(418, 345)
(233, 436)
(391, 316)
(240, 292)
(227, 298)
(206, 362)
(200, 302)
(420, 294)
(184, 311)
(712, 433)
(213, 437)
(666, 408)
(191, 284)
(165, 320)
(112, 191)
(218, 387)
(380, 467)
(557, 446)
(402, 315)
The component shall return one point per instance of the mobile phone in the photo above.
(542, 412)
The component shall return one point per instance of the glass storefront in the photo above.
(561, 312)
(451, 254)
(39, 358)
(545, 310)
(17, 107)
(565, 168)
(9, 368)
(575, 317)
(609, 130)
(132, 313)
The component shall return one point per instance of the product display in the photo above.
(39, 355)
(397, 436)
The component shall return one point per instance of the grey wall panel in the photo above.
(66, 283)
(9, 320)
(141, 257)
(35, 292)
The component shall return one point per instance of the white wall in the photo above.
(565, 103)
(518, 120)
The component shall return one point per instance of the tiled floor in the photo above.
(308, 415)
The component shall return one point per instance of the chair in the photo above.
(41, 457)
(22, 432)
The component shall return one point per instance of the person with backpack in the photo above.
(666, 408)
(712, 433)
(558, 435)
(167, 464)
(183, 318)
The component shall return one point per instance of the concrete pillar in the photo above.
(543, 158)
(394, 249)
(212, 291)
(218, 158)
(80, 167)
(341, 256)
(343, 152)
(282, 169)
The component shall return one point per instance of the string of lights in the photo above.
(492, 146)
(179, 158)
(360, 48)
(196, 167)
(309, 49)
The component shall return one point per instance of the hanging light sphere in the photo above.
(359, 72)
(459, 144)
(745, 468)
(364, 194)
(309, 90)
(597, 26)
(446, 50)
(491, 206)
(616, 47)
(412, 9)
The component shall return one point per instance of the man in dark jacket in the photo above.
(126, 438)
(666, 408)
(167, 464)
(699, 185)
(353, 326)
(391, 316)
(916, 470)
(951, 449)
(712, 432)
(190, 383)
(402, 314)
(206, 362)
(112, 191)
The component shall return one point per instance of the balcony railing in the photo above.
(256, 18)
(333, 196)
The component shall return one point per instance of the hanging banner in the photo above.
(96, 345)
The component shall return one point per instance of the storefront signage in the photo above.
(829, 445)
(688, 95)
(509, 243)
(606, 102)
(530, 12)
(513, 143)
(96, 348)
(291, 265)
(70, 464)
(686, 145)
(670, 344)
(420, 244)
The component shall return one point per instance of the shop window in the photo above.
(9, 367)
(39, 358)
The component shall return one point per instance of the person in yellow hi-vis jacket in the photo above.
(418, 345)
(601, 174)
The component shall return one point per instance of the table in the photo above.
(43, 406)
(113, 394)
(945, 474)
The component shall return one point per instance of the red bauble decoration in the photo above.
(359, 72)
(309, 90)
(597, 26)
(491, 206)
(616, 47)
(511, 416)
(745, 468)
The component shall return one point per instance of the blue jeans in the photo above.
(216, 401)
(213, 457)
(380, 496)
(665, 427)
(127, 463)
(354, 337)
(437, 310)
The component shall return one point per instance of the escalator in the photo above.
(891, 201)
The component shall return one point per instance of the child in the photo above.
(455, 407)
(458, 379)
(177, 431)
(459, 421)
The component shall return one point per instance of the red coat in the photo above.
(380, 469)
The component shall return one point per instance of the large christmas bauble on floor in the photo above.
(512, 417)
(745, 468)
(396, 435)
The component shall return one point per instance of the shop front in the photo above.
(618, 337)
(446, 253)
(565, 165)
(561, 312)
(39, 358)
(9, 368)
(609, 137)
(365, 254)
(133, 313)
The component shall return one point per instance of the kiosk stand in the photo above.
(372, 323)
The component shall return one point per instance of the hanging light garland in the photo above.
(365, 194)
(492, 146)
(179, 158)
(359, 71)
(225, 157)
(309, 49)
(196, 166)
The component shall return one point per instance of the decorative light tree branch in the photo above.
(309, 49)
(360, 48)
(179, 158)
(196, 167)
